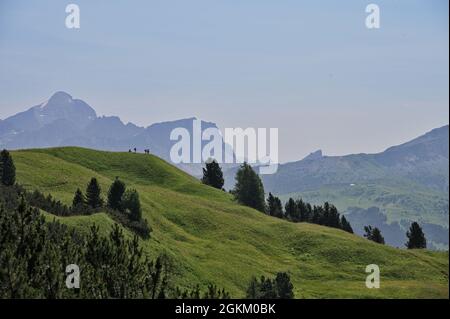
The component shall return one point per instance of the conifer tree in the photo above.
(132, 204)
(333, 217)
(274, 207)
(416, 237)
(278, 208)
(249, 189)
(291, 210)
(267, 289)
(212, 175)
(7, 169)
(93, 194)
(325, 220)
(373, 234)
(253, 289)
(115, 194)
(283, 286)
(302, 210)
(78, 199)
(345, 225)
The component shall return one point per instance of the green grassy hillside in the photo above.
(212, 239)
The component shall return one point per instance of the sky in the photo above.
(309, 68)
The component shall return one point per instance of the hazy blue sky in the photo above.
(310, 68)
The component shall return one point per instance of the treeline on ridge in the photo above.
(249, 191)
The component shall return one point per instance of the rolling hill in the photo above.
(210, 238)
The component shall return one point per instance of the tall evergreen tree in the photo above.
(253, 289)
(317, 214)
(309, 213)
(345, 225)
(93, 194)
(249, 189)
(270, 204)
(78, 199)
(283, 286)
(212, 175)
(274, 206)
(291, 210)
(7, 169)
(333, 217)
(373, 234)
(267, 289)
(132, 204)
(115, 194)
(302, 210)
(416, 237)
(325, 220)
(278, 208)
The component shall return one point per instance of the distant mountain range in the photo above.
(388, 190)
(65, 121)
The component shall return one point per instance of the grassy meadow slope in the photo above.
(212, 239)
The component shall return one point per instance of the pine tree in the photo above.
(7, 169)
(291, 210)
(376, 236)
(373, 234)
(345, 225)
(132, 204)
(316, 214)
(249, 189)
(78, 199)
(326, 214)
(274, 207)
(270, 204)
(302, 210)
(309, 212)
(267, 289)
(93, 194)
(283, 286)
(253, 289)
(115, 194)
(333, 217)
(416, 237)
(278, 208)
(212, 175)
